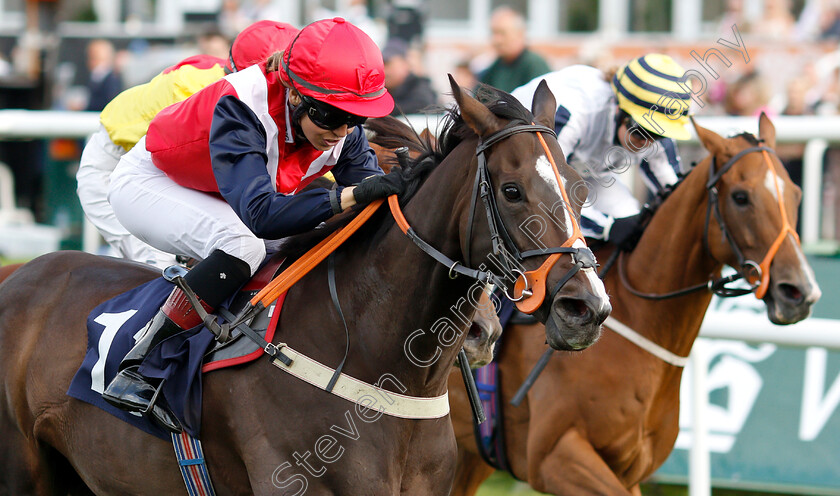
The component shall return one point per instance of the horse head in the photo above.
(751, 220)
(484, 329)
(530, 228)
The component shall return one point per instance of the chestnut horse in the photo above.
(604, 420)
(261, 425)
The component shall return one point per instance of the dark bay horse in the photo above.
(264, 431)
(602, 421)
(484, 329)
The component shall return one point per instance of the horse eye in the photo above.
(740, 198)
(511, 192)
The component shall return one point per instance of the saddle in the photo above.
(238, 350)
(180, 361)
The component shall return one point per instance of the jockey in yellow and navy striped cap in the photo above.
(652, 91)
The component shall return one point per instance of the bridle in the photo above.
(717, 286)
(758, 274)
(762, 269)
(530, 287)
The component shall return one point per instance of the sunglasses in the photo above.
(328, 117)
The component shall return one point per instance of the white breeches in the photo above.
(176, 219)
(99, 159)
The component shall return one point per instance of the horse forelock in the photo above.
(748, 137)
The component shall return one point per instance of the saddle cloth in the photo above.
(114, 326)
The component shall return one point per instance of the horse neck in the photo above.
(671, 256)
(416, 289)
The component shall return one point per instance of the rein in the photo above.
(761, 271)
(716, 286)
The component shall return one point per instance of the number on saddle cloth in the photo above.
(115, 326)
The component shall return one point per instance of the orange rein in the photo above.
(534, 281)
(786, 229)
(313, 257)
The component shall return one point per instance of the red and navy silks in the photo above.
(254, 161)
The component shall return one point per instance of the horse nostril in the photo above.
(791, 292)
(575, 307)
(475, 331)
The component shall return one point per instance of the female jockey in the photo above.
(221, 171)
(126, 119)
(606, 123)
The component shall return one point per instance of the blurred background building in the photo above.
(776, 56)
(790, 66)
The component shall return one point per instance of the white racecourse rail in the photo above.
(816, 132)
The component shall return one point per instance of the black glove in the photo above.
(375, 187)
(626, 231)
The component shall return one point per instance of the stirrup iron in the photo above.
(175, 274)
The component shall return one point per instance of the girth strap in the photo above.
(366, 395)
(193, 465)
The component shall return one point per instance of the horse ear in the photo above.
(712, 141)
(766, 130)
(428, 138)
(475, 114)
(544, 105)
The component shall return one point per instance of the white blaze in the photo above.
(594, 281)
(546, 172)
(816, 293)
(768, 183)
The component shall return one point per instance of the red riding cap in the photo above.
(335, 62)
(258, 41)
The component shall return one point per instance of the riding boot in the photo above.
(130, 390)
(213, 280)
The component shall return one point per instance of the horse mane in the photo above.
(659, 198)
(295, 246)
(390, 132)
